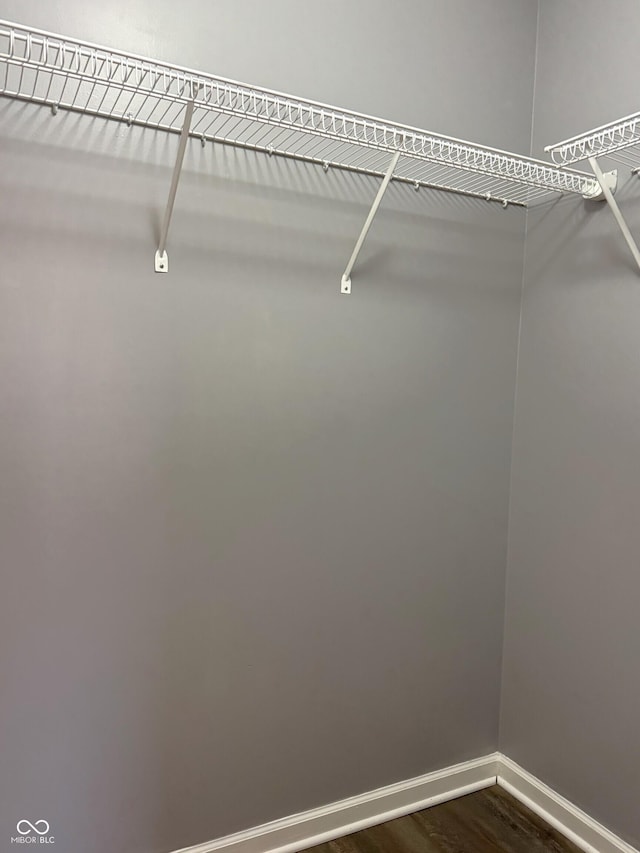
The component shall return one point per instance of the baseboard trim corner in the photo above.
(572, 822)
(306, 829)
(317, 826)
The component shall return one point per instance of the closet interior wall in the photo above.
(571, 694)
(254, 533)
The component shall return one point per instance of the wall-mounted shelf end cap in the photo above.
(161, 262)
(596, 192)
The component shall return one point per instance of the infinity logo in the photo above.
(32, 827)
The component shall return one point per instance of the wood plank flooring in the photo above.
(489, 821)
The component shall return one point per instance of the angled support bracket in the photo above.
(345, 286)
(162, 261)
(607, 191)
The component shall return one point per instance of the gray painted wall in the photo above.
(571, 700)
(254, 533)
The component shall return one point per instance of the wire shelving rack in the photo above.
(618, 140)
(65, 73)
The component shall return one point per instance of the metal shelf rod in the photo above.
(161, 259)
(345, 285)
(613, 204)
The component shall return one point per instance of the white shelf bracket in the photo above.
(605, 184)
(345, 286)
(161, 260)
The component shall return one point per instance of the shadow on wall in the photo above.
(222, 186)
(588, 232)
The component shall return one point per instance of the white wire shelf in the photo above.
(68, 74)
(619, 140)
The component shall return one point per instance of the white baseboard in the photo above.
(306, 829)
(573, 823)
(300, 831)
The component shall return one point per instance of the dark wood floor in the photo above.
(489, 821)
